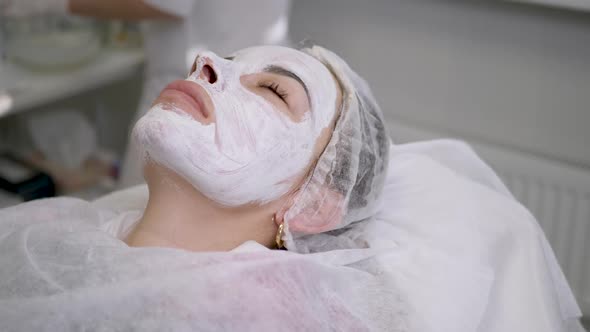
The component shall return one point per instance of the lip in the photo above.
(190, 97)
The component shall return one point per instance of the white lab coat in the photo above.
(222, 26)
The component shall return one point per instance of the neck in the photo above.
(179, 216)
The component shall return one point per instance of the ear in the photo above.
(314, 213)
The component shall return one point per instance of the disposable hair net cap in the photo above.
(347, 181)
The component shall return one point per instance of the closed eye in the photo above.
(276, 89)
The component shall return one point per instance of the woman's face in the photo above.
(245, 128)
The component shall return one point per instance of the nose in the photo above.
(206, 70)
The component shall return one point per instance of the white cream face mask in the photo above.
(252, 152)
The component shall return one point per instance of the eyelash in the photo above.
(276, 89)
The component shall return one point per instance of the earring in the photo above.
(279, 236)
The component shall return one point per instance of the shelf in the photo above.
(22, 89)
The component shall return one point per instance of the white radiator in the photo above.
(556, 193)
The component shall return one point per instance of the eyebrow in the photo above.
(284, 72)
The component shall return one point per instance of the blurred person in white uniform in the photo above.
(174, 31)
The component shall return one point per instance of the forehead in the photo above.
(260, 57)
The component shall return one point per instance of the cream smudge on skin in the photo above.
(252, 152)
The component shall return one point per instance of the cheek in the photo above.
(315, 150)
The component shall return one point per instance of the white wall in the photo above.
(499, 72)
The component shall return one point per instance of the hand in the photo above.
(26, 8)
